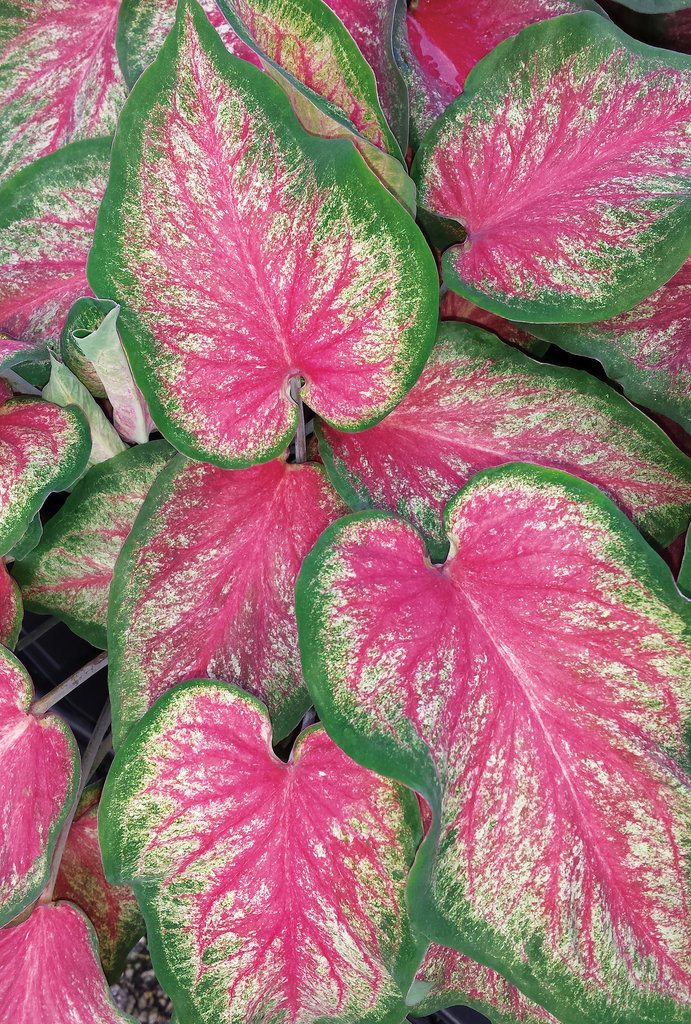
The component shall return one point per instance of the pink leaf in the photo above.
(11, 610)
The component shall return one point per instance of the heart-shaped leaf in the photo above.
(111, 909)
(49, 971)
(535, 690)
(47, 217)
(330, 280)
(39, 768)
(205, 585)
(11, 611)
(479, 403)
(44, 448)
(69, 573)
(59, 76)
(271, 891)
(565, 166)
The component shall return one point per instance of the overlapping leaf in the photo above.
(39, 767)
(564, 172)
(454, 307)
(271, 891)
(59, 77)
(536, 690)
(47, 217)
(28, 540)
(111, 909)
(205, 585)
(479, 403)
(11, 611)
(226, 296)
(43, 448)
(84, 317)
(63, 389)
(69, 573)
(49, 971)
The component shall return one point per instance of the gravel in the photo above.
(138, 992)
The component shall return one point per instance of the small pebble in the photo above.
(138, 992)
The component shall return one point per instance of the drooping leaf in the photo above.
(69, 573)
(59, 77)
(49, 971)
(39, 768)
(28, 540)
(11, 611)
(454, 307)
(646, 349)
(44, 448)
(205, 585)
(444, 39)
(330, 281)
(564, 166)
(536, 691)
(64, 389)
(111, 909)
(47, 217)
(271, 891)
(479, 403)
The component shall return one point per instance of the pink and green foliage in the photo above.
(59, 77)
(69, 573)
(558, 219)
(11, 610)
(47, 217)
(329, 282)
(535, 690)
(44, 448)
(55, 954)
(271, 891)
(478, 404)
(111, 909)
(454, 307)
(205, 585)
(39, 768)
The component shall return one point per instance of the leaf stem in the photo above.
(71, 683)
(300, 436)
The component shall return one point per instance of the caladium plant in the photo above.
(400, 680)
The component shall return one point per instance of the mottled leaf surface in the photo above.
(47, 217)
(11, 611)
(69, 573)
(536, 691)
(111, 909)
(647, 348)
(565, 162)
(39, 767)
(271, 891)
(49, 971)
(43, 448)
(330, 280)
(59, 77)
(205, 585)
(479, 403)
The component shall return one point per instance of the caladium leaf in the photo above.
(111, 909)
(331, 281)
(655, 6)
(535, 690)
(479, 403)
(39, 767)
(454, 307)
(205, 585)
(44, 448)
(47, 217)
(85, 316)
(49, 970)
(69, 573)
(28, 540)
(645, 348)
(13, 352)
(271, 891)
(557, 225)
(64, 389)
(11, 610)
(684, 580)
(59, 77)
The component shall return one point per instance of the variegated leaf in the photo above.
(480, 403)
(11, 610)
(39, 768)
(536, 690)
(271, 891)
(454, 307)
(563, 172)
(43, 448)
(647, 348)
(85, 316)
(13, 351)
(49, 971)
(47, 217)
(59, 77)
(111, 909)
(205, 585)
(28, 540)
(330, 280)
(69, 573)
